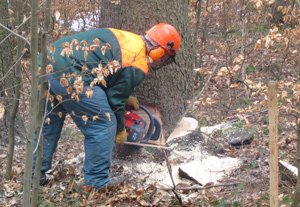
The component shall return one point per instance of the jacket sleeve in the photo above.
(119, 89)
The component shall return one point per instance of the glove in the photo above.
(132, 102)
(121, 137)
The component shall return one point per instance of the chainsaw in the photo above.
(136, 127)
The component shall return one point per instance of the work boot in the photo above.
(43, 179)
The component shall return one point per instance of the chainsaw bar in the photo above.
(146, 145)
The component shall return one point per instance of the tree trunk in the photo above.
(6, 61)
(15, 104)
(170, 87)
(33, 102)
(296, 196)
(40, 118)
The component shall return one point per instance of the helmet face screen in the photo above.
(164, 61)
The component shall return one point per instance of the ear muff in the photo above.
(157, 53)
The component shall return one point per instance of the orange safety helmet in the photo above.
(167, 37)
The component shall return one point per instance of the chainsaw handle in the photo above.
(151, 125)
(156, 134)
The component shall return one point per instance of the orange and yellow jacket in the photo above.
(112, 59)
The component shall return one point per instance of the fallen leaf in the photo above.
(139, 191)
(209, 184)
(122, 196)
(109, 200)
(75, 195)
(144, 203)
(87, 188)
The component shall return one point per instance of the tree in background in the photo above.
(6, 70)
(14, 117)
(170, 88)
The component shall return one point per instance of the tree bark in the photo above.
(40, 118)
(296, 196)
(6, 61)
(15, 104)
(33, 102)
(170, 87)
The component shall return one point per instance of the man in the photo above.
(91, 76)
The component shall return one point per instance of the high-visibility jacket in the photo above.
(80, 54)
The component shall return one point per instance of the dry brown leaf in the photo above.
(89, 93)
(92, 194)
(139, 191)
(25, 18)
(144, 203)
(103, 48)
(93, 47)
(74, 42)
(234, 86)
(110, 200)
(97, 42)
(108, 116)
(208, 184)
(55, 34)
(59, 98)
(49, 68)
(85, 55)
(208, 194)
(2, 111)
(47, 120)
(45, 189)
(85, 118)
(57, 15)
(122, 196)
(75, 195)
(258, 45)
(69, 90)
(52, 49)
(108, 46)
(87, 188)
(199, 70)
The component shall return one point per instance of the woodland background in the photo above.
(233, 48)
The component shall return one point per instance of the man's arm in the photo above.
(120, 88)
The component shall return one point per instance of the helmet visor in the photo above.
(168, 59)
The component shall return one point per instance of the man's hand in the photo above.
(121, 137)
(132, 102)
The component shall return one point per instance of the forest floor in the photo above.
(247, 185)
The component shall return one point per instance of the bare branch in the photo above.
(173, 182)
(200, 188)
(13, 32)
(9, 70)
(23, 38)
